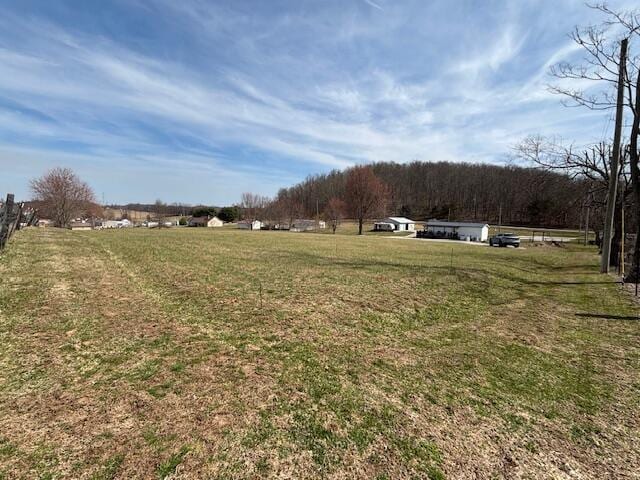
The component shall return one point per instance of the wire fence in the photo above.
(13, 217)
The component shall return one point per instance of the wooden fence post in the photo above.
(4, 226)
(14, 224)
(32, 218)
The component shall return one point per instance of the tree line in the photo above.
(161, 209)
(445, 190)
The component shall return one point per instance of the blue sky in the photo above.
(198, 101)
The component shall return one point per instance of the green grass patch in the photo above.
(168, 467)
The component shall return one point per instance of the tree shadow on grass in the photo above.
(582, 267)
(607, 316)
(573, 283)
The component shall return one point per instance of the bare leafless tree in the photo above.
(334, 212)
(253, 205)
(159, 212)
(588, 164)
(62, 196)
(366, 194)
(601, 44)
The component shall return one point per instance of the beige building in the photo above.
(205, 222)
(45, 222)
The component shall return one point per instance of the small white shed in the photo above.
(250, 224)
(395, 224)
(475, 232)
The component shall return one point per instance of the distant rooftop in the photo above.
(400, 219)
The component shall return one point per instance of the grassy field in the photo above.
(204, 353)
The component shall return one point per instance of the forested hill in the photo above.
(458, 191)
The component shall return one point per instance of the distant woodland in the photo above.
(456, 191)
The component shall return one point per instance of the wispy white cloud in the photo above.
(373, 4)
(239, 89)
(487, 60)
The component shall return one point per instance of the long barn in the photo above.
(475, 232)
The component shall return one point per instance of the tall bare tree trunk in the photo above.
(634, 161)
(614, 253)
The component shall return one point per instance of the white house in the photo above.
(395, 224)
(250, 224)
(205, 222)
(475, 232)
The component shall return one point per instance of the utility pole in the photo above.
(580, 219)
(586, 225)
(615, 162)
(500, 218)
(622, 241)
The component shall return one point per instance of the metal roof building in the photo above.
(395, 224)
(475, 232)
